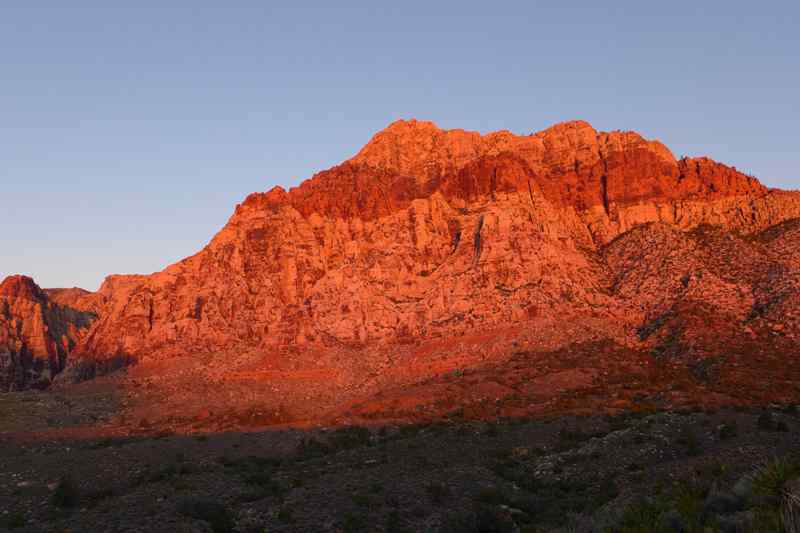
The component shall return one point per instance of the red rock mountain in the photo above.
(434, 250)
(427, 232)
(36, 334)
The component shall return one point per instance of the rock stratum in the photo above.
(481, 246)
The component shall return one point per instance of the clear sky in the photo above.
(129, 130)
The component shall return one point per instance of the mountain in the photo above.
(566, 261)
(427, 232)
(36, 334)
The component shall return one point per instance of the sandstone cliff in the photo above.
(430, 233)
(36, 334)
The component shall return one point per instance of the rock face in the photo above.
(36, 334)
(76, 298)
(429, 233)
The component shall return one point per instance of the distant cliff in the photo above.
(36, 334)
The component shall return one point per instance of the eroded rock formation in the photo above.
(430, 233)
(36, 334)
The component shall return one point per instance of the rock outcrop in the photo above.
(36, 334)
(430, 233)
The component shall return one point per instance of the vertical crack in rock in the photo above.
(604, 182)
(198, 308)
(530, 193)
(478, 242)
(150, 316)
(456, 241)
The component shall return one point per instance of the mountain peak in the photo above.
(575, 124)
(411, 124)
(18, 286)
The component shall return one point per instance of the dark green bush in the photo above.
(438, 493)
(12, 521)
(349, 437)
(310, 447)
(689, 439)
(766, 421)
(66, 494)
(216, 514)
(728, 430)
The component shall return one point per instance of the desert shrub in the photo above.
(618, 423)
(12, 521)
(776, 502)
(728, 430)
(569, 438)
(215, 513)
(342, 439)
(689, 439)
(491, 495)
(687, 500)
(163, 474)
(550, 503)
(349, 437)
(409, 431)
(257, 472)
(680, 504)
(790, 511)
(353, 522)
(308, 448)
(605, 492)
(394, 523)
(362, 500)
(109, 442)
(641, 516)
(771, 478)
(710, 471)
(66, 493)
(437, 492)
(766, 421)
(492, 519)
(95, 496)
(286, 515)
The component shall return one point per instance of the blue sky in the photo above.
(128, 134)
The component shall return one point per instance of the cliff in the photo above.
(36, 334)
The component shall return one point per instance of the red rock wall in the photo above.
(36, 334)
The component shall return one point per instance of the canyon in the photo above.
(440, 273)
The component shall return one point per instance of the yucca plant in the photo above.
(778, 507)
(790, 511)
